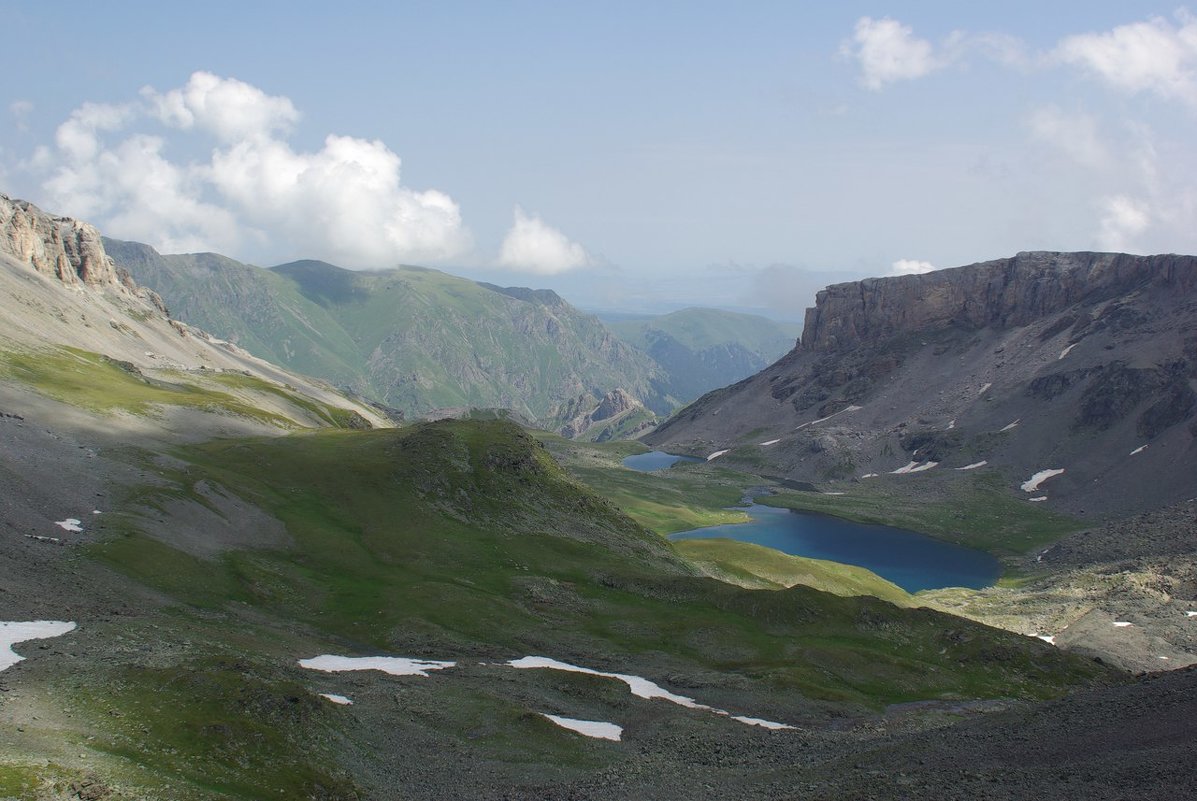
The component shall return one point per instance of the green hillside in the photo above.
(416, 339)
(704, 349)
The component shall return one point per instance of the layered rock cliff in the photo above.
(1068, 361)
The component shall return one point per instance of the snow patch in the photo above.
(590, 728)
(951, 425)
(913, 467)
(870, 475)
(767, 724)
(1010, 426)
(1050, 639)
(394, 665)
(337, 699)
(70, 524)
(1139, 449)
(828, 417)
(96, 511)
(833, 493)
(717, 454)
(1032, 483)
(13, 632)
(1039, 499)
(770, 442)
(1066, 351)
(1122, 624)
(974, 465)
(984, 389)
(1190, 614)
(639, 687)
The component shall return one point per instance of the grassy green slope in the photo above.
(457, 540)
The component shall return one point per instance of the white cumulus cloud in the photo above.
(911, 267)
(533, 246)
(344, 202)
(1155, 56)
(888, 51)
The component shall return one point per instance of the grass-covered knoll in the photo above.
(978, 510)
(462, 535)
(97, 383)
(756, 566)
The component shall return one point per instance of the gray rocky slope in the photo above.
(1081, 362)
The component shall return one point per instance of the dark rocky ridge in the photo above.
(1000, 294)
(1043, 360)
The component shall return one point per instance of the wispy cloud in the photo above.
(20, 111)
(343, 202)
(1073, 133)
(533, 246)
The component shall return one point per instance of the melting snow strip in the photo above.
(717, 454)
(984, 389)
(1190, 614)
(1050, 639)
(1066, 351)
(869, 475)
(1139, 449)
(770, 442)
(974, 465)
(1039, 499)
(70, 524)
(394, 665)
(828, 417)
(913, 467)
(597, 729)
(14, 632)
(1010, 426)
(337, 699)
(766, 724)
(832, 493)
(639, 687)
(1122, 624)
(1032, 483)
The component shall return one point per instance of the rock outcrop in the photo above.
(56, 246)
(1001, 294)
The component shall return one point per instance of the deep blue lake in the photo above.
(911, 560)
(655, 460)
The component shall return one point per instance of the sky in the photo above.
(634, 156)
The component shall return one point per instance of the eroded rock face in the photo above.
(1001, 294)
(60, 247)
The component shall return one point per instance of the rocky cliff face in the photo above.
(1085, 362)
(56, 246)
(1001, 294)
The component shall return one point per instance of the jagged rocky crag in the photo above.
(1071, 361)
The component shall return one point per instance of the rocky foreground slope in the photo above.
(1076, 368)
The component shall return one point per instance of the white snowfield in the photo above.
(13, 632)
(717, 454)
(770, 442)
(337, 699)
(70, 524)
(597, 729)
(974, 465)
(913, 467)
(394, 665)
(639, 687)
(1032, 483)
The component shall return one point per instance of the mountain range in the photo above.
(431, 344)
(224, 580)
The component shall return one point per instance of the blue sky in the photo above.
(630, 155)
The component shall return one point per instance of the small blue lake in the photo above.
(911, 560)
(655, 460)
